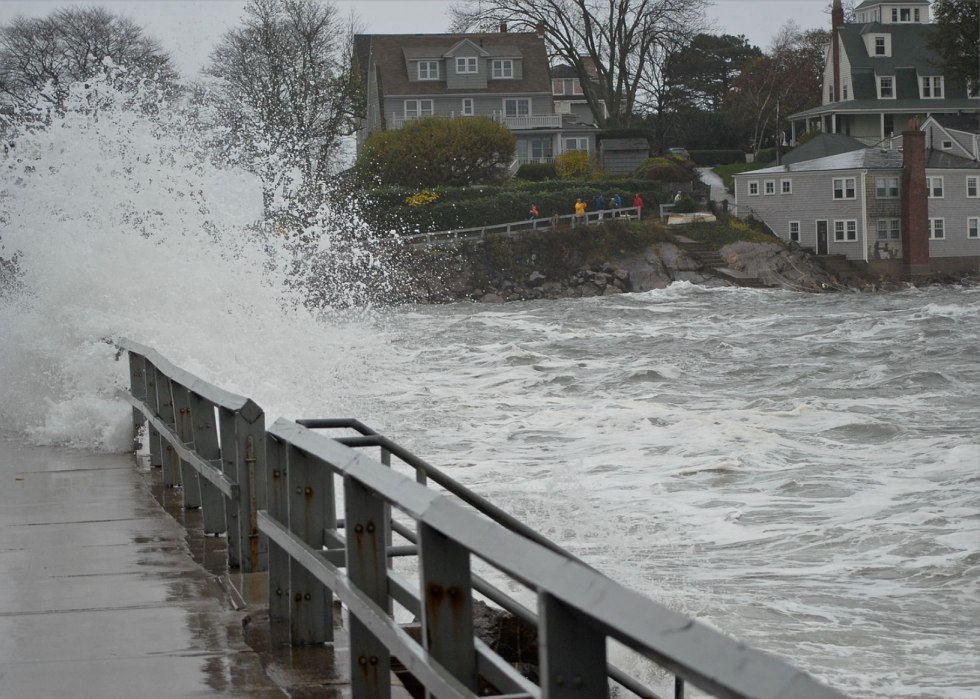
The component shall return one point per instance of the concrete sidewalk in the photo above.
(99, 595)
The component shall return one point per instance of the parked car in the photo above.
(679, 151)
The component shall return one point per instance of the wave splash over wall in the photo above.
(117, 223)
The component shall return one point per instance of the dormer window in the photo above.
(886, 87)
(566, 86)
(503, 69)
(879, 46)
(428, 70)
(917, 15)
(894, 14)
(906, 14)
(466, 65)
(932, 87)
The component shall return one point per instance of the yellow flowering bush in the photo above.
(426, 196)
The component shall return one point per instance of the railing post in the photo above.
(137, 386)
(205, 435)
(227, 426)
(447, 610)
(185, 431)
(165, 409)
(367, 569)
(252, 477)
(571, 651)
(278, 509)
(152, 400)
(311, 507)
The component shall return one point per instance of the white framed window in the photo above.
(467, 108)
(937, 228)
(880, 46)
(973, 227)
(503, 69)
(466, 64)
(845, 230)
(886, 187)
(973, 187)
(886, 87)
(416, 109)
(794, 231)
(428, 70)
(844, 188)
(931, 87)
(905, 14)
(770, 187)
(844, 88)
(786, 186)
(947, 145)
(894, 14)
(572, 144)
(517, 107)
(889, 229)
(934, 185)
(753, 188)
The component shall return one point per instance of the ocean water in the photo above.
(799, 471)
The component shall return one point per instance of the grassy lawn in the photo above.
(728, 172)
(724, 232)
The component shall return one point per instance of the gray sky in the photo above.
(190, 28)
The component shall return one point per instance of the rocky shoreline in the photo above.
(459, 277)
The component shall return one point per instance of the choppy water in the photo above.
(800, 471)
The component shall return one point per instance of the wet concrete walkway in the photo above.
(99, 595)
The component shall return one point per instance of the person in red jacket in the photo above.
(638, 202)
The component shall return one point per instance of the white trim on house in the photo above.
(973, 227)
(934, 187)
(937, 228)
(972, 182)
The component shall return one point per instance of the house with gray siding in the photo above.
(879, 73)
(855, 204)
(503, 76)
(621, 156)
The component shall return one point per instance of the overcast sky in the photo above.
(190, 28)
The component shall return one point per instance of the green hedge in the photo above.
(385, 209)
(537, 172)
(710, 158)
(765, 155)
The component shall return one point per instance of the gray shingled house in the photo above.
(503, 76)
(856, 204)
(879, 73)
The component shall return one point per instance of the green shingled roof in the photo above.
(872, 3)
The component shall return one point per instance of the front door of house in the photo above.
(823, 247)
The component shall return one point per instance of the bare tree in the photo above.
(40, 57)
(288, 90)
(616, 36)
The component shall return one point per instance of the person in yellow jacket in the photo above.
(579, 208)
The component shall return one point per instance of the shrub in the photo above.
(435, 151)
(537, 172)
(685, 205)
(765, 155)
(711, 158)
(667, 168)
(577, 165)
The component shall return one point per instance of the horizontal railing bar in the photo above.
(338, 557)
(337, 423)
(218, 396)
(698, 654)
(374, 439)
(415, 658)
(528, 224)
(508, 603)
(212, 474)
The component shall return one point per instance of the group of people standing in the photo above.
(614, 203)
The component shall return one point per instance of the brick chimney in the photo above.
(503, 27)
(915, 202)
(539, 29)
(589, 65)
(836, 22)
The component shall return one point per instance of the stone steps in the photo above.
(715, 265)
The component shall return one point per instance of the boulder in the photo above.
(492, 298)
(646, 271)
(535, 279)
(676, 260)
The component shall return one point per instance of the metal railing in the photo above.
(284, 482)
(589, 218)
(515, 123)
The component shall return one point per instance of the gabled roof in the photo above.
(872, 3)
(967, 123)
(465, 42)
(391, 50)
(907, 106)
(868, 159)
(821, 146)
